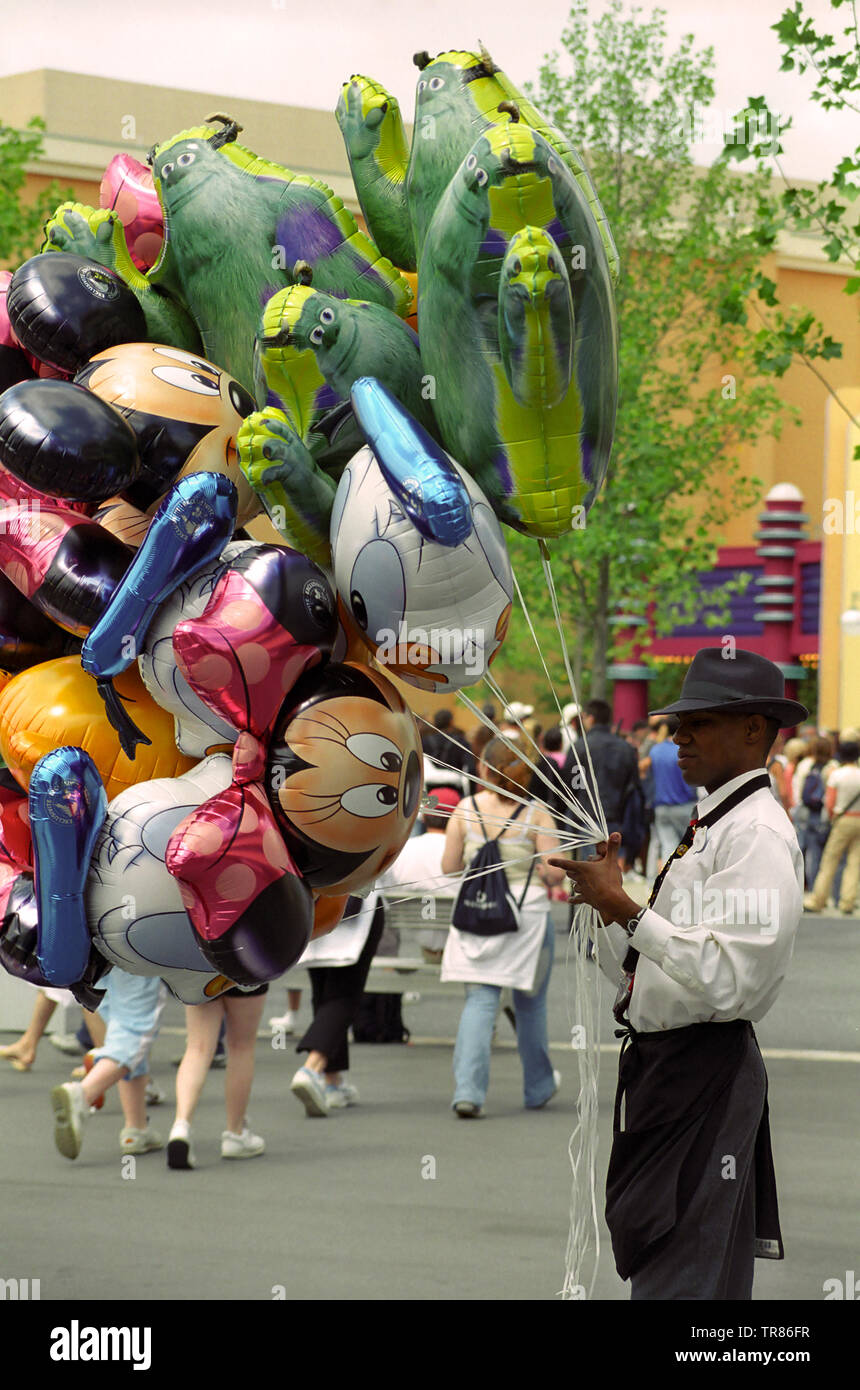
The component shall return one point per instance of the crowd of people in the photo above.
(482, 792)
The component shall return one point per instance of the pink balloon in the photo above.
(128, 190)
(7, 337)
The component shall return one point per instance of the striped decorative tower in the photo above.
(630, 694)
(782, 528)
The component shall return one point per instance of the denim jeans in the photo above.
(812, 844)
(475, 1033)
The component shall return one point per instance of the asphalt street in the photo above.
(396, 1198)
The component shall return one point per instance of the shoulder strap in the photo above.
(510, 818)
(480, 818)
(852, 802)
(527, 882)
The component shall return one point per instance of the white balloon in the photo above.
(434, 615)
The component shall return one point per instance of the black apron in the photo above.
(676, 1085)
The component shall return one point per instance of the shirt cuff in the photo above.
(652, 935)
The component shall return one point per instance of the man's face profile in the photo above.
(713, 748)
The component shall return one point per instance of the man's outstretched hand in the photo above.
(598, 883)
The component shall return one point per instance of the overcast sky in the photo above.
(299, 51)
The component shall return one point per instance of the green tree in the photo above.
(691, 242)
(833, 62)
(21, 221)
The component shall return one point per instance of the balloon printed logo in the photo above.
(318, 601)
(190, 515)
(98, 282)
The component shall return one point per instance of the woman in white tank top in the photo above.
(520, 960)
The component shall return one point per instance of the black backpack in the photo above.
(484, 905)
(813, 788)
(379, 1020)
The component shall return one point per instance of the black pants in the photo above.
(335, 993)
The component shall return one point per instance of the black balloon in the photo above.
(13, 367)
(63, 440)
(64, 309)
(27, 637)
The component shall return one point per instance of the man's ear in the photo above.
(756, 729)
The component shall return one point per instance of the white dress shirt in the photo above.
(717, 942)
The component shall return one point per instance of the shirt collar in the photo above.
(713, 799)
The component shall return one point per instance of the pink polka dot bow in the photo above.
(271, 617)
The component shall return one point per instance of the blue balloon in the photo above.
(190, 529)
(415, 467)
(67, 808)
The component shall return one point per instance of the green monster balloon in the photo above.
(98, 234)
(310, 350)
(460, 95)
(236, 226)
(514, 272)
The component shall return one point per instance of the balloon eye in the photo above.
(369, 800)
(471, 161)
(552, 165)
(481, 177)
(376, 751)
(359, 609)
(316, 336)
(551, 265)
(517, 267)
(167, 170)
(421, 85)
(184, 380)
(436, 83)
(241, 400)
(327, 316)
(184, 159)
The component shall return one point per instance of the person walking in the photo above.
(696, 968)
(809, 785)
(842, 807)
(241, 1011)
(336, 990)
(673, 798)
(521, 959)
(132, 1008)
(614, 761)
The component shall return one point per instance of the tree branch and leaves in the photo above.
(22, 220)
(828, 207)
(695, 386)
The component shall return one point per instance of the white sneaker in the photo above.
(339, 1097)
(244, 1145)
(286, 1024)
(66, 1042)
(179, 1151)
(70, 1111)
(154, 1094)
(467, 1110)
(310, 1088)
(139, 1141)
(556, 1083)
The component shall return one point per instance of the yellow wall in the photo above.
(839, 665)
(798, 456)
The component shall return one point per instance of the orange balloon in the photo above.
(410, 275)
(57, 703)
(327, 914)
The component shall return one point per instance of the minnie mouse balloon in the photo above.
(344, 776)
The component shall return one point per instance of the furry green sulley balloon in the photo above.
(461, 94)
(514, 272)
(310, 350)
(235, 228)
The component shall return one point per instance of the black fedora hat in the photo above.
(745, 683)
